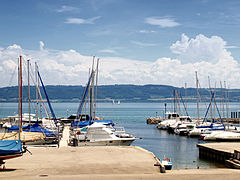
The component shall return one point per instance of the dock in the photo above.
(218, 152)
(65, 136)
(53, 161)
(103, 162)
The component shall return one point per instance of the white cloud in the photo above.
(143, 44)
(146, 31)
(82, 21)
(162, 22)
(201, 48)
(71, 68)
(65, 8)
(107, 51)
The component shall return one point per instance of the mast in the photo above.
(21, 110)
(197, 97)
(222, 101)
(19, 97)
(91, 98)
(174, 104)
(186, 96)
(29, 107)
(91, 94)
(210, 91)
(37, 86)
(95, 105)
(214, 99)
(226, 98)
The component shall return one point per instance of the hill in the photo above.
(127, 93)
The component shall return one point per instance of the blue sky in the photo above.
(149, 36)
(118, 27)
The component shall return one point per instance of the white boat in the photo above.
(222, 136)
(98, 134)
(184, 128)
(171, 119)
(202, 128)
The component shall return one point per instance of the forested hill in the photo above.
(125, 93)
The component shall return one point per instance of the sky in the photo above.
(137, 41)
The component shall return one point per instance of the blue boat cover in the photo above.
(10, 147)
(81, 124)
(34, 128)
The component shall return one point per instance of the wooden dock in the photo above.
(218, 152)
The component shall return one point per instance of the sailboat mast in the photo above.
(36, 71)
(29, 107)
(197, 97)
(91, 94)
(21, 110)
(210, 91)
(186, 96)
(19, 95)
(95, 104)
(91, 98)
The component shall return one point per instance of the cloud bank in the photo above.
(207, 55)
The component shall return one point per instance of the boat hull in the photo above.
(127, 142)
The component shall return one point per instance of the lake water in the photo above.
(181, 150)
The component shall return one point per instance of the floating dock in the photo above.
(218, 152)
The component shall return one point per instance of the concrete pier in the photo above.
(219, 152)
(106, 162)
(65, 136)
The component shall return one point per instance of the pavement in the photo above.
(103, 162)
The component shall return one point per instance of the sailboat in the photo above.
(96, 133)
(27, 137)
(13, 148)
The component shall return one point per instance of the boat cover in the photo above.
(81, 124)
(8, 147)
(34, 128)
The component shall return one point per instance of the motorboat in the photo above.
(98, 134)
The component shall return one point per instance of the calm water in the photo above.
(182, 150)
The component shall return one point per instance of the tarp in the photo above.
(34, 128)
(9, 147)
(81, 124)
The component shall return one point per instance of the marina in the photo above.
(182, 150)
(124, 89)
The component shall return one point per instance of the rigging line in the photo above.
(49, 104)
(84, 106)
(200, 97)
(178, 102)
(9, 84)
(218, 111)
(208, 107)
(48, 101)
(184, 105)
(39, 93)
